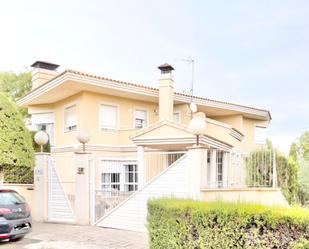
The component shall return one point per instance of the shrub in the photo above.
(188, 224)
(16, 151)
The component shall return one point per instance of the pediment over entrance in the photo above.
(170, 135)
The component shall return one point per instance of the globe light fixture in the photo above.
(41, 138)
(83, 137)
(193, 107)
(197, 125)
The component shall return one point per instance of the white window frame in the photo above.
(106, 128)
(45, 121)
(179, 113)
(147, 117)
(135, 176)
(72, 129)
(120, 167)
(256, 141)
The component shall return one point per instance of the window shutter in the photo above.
(70, 116)
(260, 135)
(108, 117)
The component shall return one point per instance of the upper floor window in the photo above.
(70, 119)
(108, 117)
(176, 117)
(140, 119)
(260, 135)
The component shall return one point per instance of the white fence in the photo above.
(117, 177)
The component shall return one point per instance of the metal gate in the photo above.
(60, 194)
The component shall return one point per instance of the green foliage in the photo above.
(16, 85)
(302, 244)
(259, 170)
(16, 151)
(187, 224)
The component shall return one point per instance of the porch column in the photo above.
(197, 170)
(213, 168)
(141, 167)
(82, 188)
(40, 209)
(225, 169)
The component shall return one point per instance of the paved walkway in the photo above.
(59, 236)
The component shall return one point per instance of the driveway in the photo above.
(59, 236)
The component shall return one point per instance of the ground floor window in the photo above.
(131, 177)
(118, 175)
(220, 168)
(111, 181)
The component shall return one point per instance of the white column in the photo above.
(40, 209)
(225, 169)
(197, 173)
(141, 168)
(213, 168)
(82, 188)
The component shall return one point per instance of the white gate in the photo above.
(59, 205)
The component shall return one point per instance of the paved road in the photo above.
(59, 236)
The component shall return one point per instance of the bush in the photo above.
(16, 151)
(188, 224)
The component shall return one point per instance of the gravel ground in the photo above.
(60, 236)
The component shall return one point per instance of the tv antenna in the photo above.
(190, 61)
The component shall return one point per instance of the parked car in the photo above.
(15, 215)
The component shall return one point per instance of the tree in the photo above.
(302, 148)
(16, 151)
(16, 85)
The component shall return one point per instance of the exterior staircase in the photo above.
(132, 213)
(59, 208)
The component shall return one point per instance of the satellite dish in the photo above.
(193, 107)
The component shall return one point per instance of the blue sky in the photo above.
(250, 52)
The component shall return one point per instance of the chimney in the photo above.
(166, 92)
(42, 72)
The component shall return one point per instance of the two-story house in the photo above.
(138, 131)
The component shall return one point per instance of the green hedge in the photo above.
(188, 224)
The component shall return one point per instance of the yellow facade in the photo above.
(88, 119)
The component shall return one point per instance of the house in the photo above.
(139, 144)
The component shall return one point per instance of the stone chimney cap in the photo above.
(165, 67)
(45, 65)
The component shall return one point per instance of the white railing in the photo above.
(241, 170)
(117, 177)
(156, 162)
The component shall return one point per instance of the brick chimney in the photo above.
(42, 72)
(166, 92)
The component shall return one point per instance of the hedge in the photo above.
(16, 151)
(188, 224)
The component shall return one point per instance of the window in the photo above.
(119, 175)
(44, 122)
(108, 117)
(220, 168)
(260, 135)
(131, 177)
(140, 118)
(111, 181)
(176, 117)
(70, 119)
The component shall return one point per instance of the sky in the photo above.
(249, 52)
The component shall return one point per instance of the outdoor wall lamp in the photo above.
(197, 125)
(83, 137)
(41, 138)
